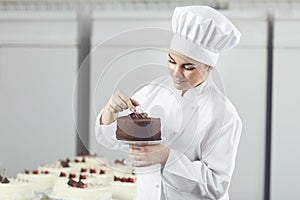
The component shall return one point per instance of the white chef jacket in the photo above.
(202, 129)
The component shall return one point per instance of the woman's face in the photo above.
(186, 72)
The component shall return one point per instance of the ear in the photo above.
(209, 68)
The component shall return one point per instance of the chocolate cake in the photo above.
(138, 127)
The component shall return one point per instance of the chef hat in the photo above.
(202, 33)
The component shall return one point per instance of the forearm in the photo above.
(105, 134)
(107, 116)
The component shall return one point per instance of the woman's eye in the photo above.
(189, 69)
(172, 62)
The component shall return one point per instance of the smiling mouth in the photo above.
(179, 82)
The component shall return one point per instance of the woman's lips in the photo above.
(179, 81)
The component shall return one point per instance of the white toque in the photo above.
(202, 33)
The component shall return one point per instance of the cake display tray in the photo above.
(52, 196)
(141, 143)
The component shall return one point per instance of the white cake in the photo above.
(16, 189)
(95, 192)
(75, 189)
(60, 184)
(41, 181)
(124, 186)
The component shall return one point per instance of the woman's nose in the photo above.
(178, 71)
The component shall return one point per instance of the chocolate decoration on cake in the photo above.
(3, 180)
(138, 127)
(136, 115)
(78, 184)
(72, 183)
(65, 163)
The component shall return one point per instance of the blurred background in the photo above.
(48, 101)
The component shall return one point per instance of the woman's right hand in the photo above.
(118, 102)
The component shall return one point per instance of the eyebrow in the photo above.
(182, 64)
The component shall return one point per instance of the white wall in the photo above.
(244, 72)
(285, 154)
(38, 62)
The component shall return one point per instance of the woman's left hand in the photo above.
(148, 155)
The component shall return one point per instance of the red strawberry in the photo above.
(130, 180)
(72, 175)
(102, 171)
(83, 170)
(62, 174)
(35, 172)
(82, 176)
(27, 171)
(93, 171)
(117, 178)
(124, 179)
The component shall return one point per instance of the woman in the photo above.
(200, 126)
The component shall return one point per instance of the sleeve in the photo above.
(106, 134)
(210, 176)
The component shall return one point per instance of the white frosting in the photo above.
(123, 190)
(92, 191)
(16, 190)
(55, 169)
(77, 166)
(40, 182)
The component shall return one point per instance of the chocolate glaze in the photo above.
(138, 127)
(65, 163)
